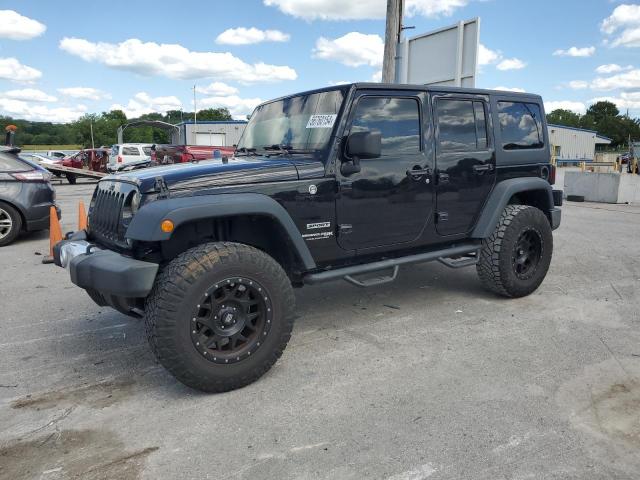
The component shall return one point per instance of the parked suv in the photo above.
(128, 153)
(26, 196)
(339, 183)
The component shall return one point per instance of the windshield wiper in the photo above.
(280, 147)
(246, 151)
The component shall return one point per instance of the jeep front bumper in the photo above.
(105, 271)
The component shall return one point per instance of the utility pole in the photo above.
(392, 39)
(91, 128)
(195, 115)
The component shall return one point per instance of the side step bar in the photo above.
(346, 273)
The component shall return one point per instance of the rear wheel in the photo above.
(220, 315)
(10, 224)
(515, 259)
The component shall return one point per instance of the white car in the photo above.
(59, 154)
(126, 153)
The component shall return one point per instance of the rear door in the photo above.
(465, 160)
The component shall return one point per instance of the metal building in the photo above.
(574, 144)
(224, 133)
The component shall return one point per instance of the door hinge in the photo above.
(442, 217)
(345, 229)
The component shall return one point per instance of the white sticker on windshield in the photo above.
(322, 121)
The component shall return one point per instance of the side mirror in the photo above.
(363, 145)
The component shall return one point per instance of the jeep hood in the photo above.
(216, 173)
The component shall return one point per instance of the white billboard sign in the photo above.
(448, 56)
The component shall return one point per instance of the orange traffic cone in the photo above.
(55, 234)
(82, 216)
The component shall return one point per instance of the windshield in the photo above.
(304, 122)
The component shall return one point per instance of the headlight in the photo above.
(135, 202)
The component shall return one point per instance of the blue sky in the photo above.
(60, 59)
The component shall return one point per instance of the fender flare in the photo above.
(145, 225)
(499, 198)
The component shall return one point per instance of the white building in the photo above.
(225, 133)
(577, 144)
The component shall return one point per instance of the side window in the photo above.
(456, 125)
(520, 125)
(130, 151)
(397, 120)
(146, 150)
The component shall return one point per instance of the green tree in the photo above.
(601, 110)
(561, 116)
(213, 114)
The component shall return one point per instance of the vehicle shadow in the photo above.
(122, 354)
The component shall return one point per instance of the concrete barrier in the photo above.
(605, 187)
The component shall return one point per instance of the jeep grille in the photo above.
(106, 212)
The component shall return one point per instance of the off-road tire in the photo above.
(496, 267)
(71, 178)
(12, 215)
(177, 290)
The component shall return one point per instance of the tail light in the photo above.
(32, 176)
(119, 159)
(552, 175)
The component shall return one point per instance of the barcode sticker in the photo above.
(321, 121)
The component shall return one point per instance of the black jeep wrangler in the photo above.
(348, 182)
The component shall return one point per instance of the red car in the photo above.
(164, 154)
(94, 159)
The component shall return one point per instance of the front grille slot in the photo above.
(105, 214)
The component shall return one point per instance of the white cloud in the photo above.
(577, 107)
(627, 80)
(576, 52)
(626, 100)
(578, 84)
(18, 27)
(12, 69)
(174, 61)
(238, 107)
(143, 103)
(247, 36)
(623, 26)
(30, 94)
(377, 76)
(43, 113)
(87, 93)
(487, 56)
(353, 49)
(362, 9)
(510, 89)
(612, 68)
(339, 82)
(511, 64)
(217, 89)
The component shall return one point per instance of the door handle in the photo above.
(480, 169)
(418, 172)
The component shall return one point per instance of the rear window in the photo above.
(9, 163)
(130, 151)
(520, 125)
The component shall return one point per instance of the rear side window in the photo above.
(146, 150)
(462, 125)
(397, 120)
(520, 125)
(130, 151)
(9, 163)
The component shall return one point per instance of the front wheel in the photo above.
(220, 315)
(515, 259)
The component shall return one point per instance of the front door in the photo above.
(465, 161)
(389, 201)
